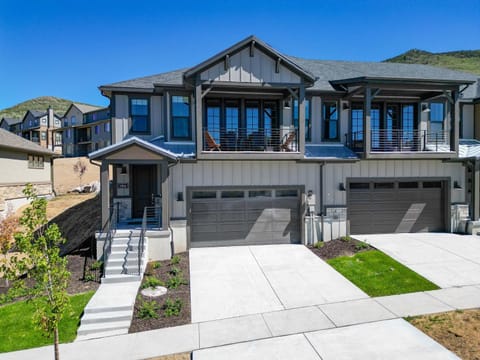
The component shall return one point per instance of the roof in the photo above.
(11, 121)
(329, 152)
(84, 108)
(128, 142)
(469, 148)
(38, 113)
(12, 141)
(174, 78)
(180, 149)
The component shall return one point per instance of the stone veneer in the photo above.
(15, 191)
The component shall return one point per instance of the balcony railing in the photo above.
(251, 139)
(402, 141)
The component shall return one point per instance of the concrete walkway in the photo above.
(362, 328)
(445, 259)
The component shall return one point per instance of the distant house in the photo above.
(85, 129)
(12, 125)
(39, 126)
(26, 163)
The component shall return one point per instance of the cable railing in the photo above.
(397, 140)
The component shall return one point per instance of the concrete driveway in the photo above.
(227, 282)
(445, 259)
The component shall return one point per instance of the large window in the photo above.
(73, 120)
(232, 116)
(437, 117)
(330, 121)
(213, 120)
(139, 113)
(181, 124)
(357, 122)
(308, 123)
(252, 117)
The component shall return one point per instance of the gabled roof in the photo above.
(173, 78)
(12, 141)
(11, 121)
(129, 142)
(83, 108)
(286, 61)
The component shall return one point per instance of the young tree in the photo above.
(38, 256)
(8, 228)
(80, 168)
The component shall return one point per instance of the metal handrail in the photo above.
(109, 228)
(152, 216)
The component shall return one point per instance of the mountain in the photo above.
(59, 105)
(463, 60)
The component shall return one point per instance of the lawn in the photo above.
(19, 333)
(379, 275)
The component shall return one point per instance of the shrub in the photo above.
(175, 271)
(361, 246)
(175, 281)
(346, 238)
(175, 260)
(89, 277)
(152, 282)
(156, 265)
(319, 245)
(172, 308)
(96, 265)
(148, 310)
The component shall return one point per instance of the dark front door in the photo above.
(144, 178)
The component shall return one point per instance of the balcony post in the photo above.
(367, 138)
(105, 193)
(454, 108)
(198, 116)
(301, 120)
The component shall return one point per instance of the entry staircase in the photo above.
(110, 310)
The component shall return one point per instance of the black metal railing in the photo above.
(109, 229)
(250, 139)
(152, 218)
(398, 140)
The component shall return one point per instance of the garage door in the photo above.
(396, 206)
(229, 216)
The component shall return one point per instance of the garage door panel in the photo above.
(232, 216)
(205, 218)
(204, 206)
(235, 205)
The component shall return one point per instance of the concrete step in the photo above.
(120, 278)
(103, 334)
(106, 317)
(115, 263)
(121, 255)
(107, 309)
(102, 327)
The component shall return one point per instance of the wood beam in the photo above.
(252, 48)
(277, 65)
(207, 90)
(353, 92)
(226, 62)
(294, 93)
(375, 93)
(430, 95)
(449, 96)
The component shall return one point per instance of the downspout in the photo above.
(321, 200)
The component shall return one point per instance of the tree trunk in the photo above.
(55, 343)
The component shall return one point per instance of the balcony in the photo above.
(258, 140)
(384, 141)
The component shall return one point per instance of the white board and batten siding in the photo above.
(250, 69)
(274, 173)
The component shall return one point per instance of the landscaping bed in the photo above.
(458, 331)
(171, 309)
(346, 246)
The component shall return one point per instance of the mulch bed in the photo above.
(340, 247)
(181, 293)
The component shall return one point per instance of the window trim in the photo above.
(36, 161)
(189, 128)
(130, 118)
(337, 104)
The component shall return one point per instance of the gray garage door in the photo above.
(221, 217)
(396, 206)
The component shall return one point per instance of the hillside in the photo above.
(59, 105)
(463, 60)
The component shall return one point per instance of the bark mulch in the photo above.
(162, 271)
(345, 246)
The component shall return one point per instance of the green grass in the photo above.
(18, 332)
(379, 275)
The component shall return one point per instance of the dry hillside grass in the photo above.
(65, 179)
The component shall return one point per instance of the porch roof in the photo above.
(469, 148)
(329, 152)
(104, 152)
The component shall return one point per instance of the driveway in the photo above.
(227, 282)
(445, 259)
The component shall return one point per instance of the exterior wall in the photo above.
(103, 138)
(12, 197)
(247, 69)
(68, 144)
(120, 119)
(477, 121)
(467, 130)
(18, 171)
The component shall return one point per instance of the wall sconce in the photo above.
(286, 104)
(124, 170)
(456, 185)
(425, 108)
(346, 106)
(341, 187)
(180, 196)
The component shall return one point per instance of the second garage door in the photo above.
(396, 206)
(230, 216)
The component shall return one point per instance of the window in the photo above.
(65, 122)
(408, 185)
(44, 120)
(308, 123)
(35, 162)
(432, 184)
(97, 129)
(139, 115)
(73, 120)
(106, 127)
(204, 195)
(58, 138)
(357, 122)
(181, 127)
(385, 185)
(330, 121)
(259, 193)
(69, 133)
(359, 186)
(232, 194)
(43, 134)
(57, 122)
(232, 116)
(286, 193)
(252, 117)
(213, 120)
(437, 117)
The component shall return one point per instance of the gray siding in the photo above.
(467, 122)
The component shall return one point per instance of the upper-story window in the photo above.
(44, 120)
(43, 134)
(330, 131)
(308, 123)
(69, 133)
(73, 120)
(139, 113)
(97, 129)
(181, 124)
(106, 127)
(437, 117)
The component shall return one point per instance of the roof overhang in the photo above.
(254, 42)
(133, 148)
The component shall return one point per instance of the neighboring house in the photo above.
(85, 129)
(255, 147)
(41, 128)
(12, 125)
(22, 162)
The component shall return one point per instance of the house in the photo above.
(12, 125)
(85, 129)
(25, 162)
(255, 147)
(40, 127)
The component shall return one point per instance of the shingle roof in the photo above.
(181, 150)
(86, 108)
(168, 78)
(12, 141)
(12, 121)
(38, 113)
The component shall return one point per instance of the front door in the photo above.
(144, 179)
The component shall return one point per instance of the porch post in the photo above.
(301, 119)
(454, 108)
(165, 194)
(105, 193)
(367, 143)
(198, 116)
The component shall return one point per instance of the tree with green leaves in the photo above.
(37, 255)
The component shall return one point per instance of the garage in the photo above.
(244, 216)
(396, 206)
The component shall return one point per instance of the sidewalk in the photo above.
(311, 328)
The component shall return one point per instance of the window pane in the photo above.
(330, 121)
(408, 185)
(286, 193)
(139, 106)
(181, 127)
(180, 106)
(213, 122)
(204, 195)
(432, 184)
(232, 194)
(181, 117)
(260, 193)
(359, 186)
(252, 118)
(231, 118)
(383, 185)
(357, 122)
(308, 124)
(437, 112)
(139, 115)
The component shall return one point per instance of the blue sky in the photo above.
(68, 48)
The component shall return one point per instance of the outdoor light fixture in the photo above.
(456, 185)
(346, 106)
(286, 104)
(124, 170)
(425, 108)
(180, 196)
(341, 187)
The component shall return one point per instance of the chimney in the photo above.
(50, 120)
